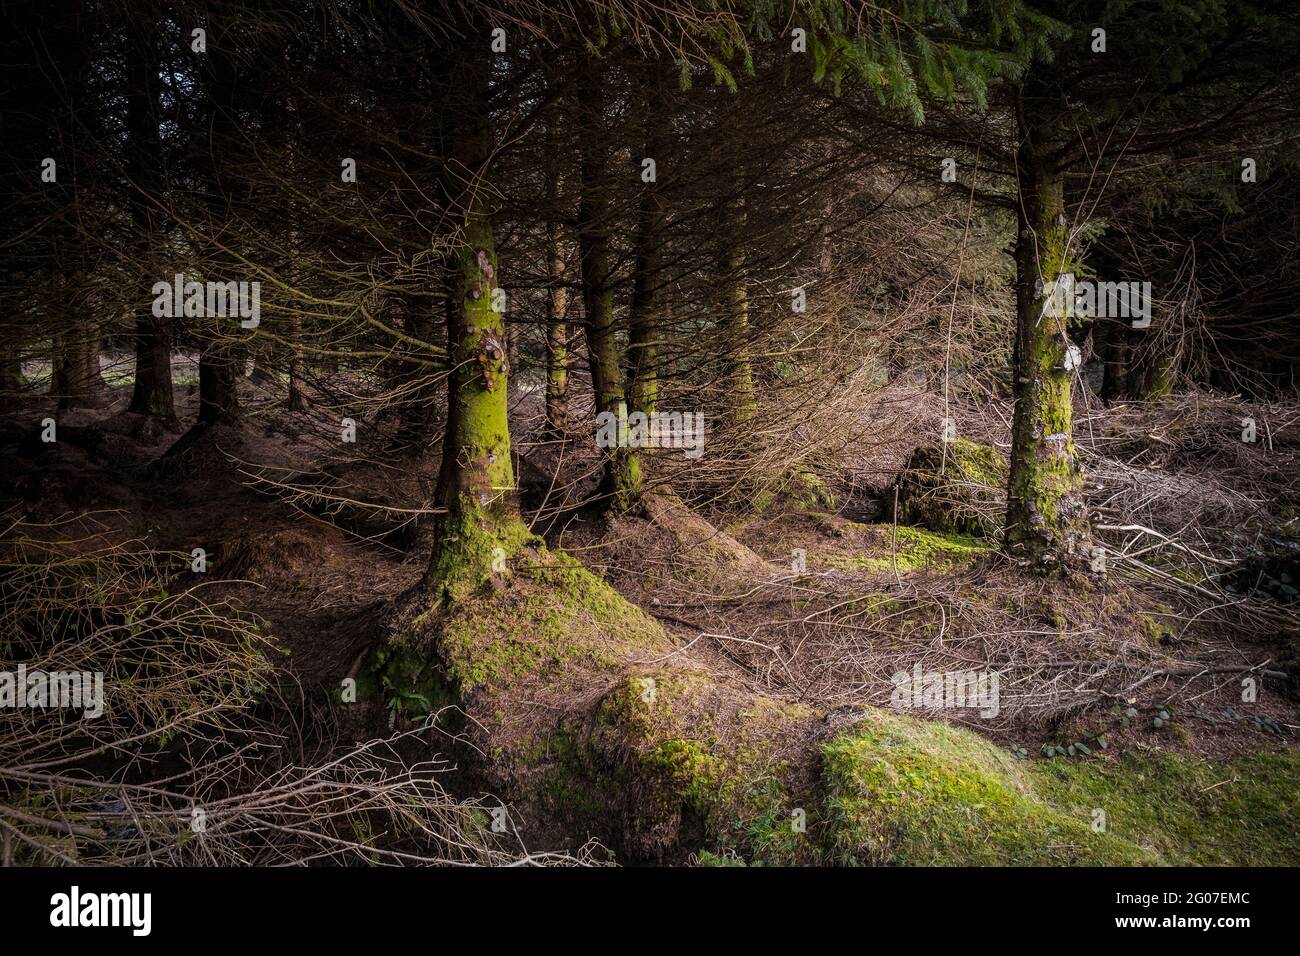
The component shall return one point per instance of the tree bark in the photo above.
(621, 483)
(736, 284)
(557, 336)
(647, 282)
(476, 485)
(77, 380)
(221, 360)
(1116, 361)
(152, 394)
(1047, 524)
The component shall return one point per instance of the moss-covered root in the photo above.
(702, 767)
(698, 541)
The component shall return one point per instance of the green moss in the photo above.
(702, 779)
(980, 463)
(918, 548)
(567, 790)
(807, 490)
(408, 683)
(563, 617)
(656, 704)
(958, 486)
(1154, 630)
(475, 542)
(910, 792)
(1188, 811)
(732, 783)
(542, 614)
(1046, 516)
(799, 490)
(705, 858)
(914, 792)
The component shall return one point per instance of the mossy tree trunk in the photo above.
(1158, 353)
(1163, 377)
(1047, 523)
(1157, 373)
(621, 483)
(480, 523)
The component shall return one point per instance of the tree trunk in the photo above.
(12, 380)
(152, 394)
(557, 336)
(218, 386)
(1047, 523)
(1116, 361)
(297, 399)
(77, 380)
(476, 485)
(621, 483)
(647, 283)
(411, 376)
(557, 289)
(1159, 371)
(221, 359)
(736, 283)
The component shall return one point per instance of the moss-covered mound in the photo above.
(584, 716)
(1190, 812)
(708, 767)
(921, 793)
(902, 791)
(795, 490)
(958, 486)
(539, 620)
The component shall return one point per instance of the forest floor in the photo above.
(764, 646)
